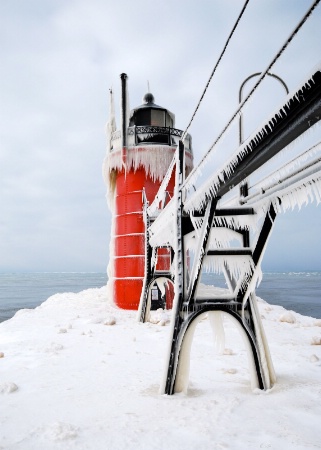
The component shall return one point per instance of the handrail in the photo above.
(150, 134)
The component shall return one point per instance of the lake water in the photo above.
(28, 290)
(300, 292)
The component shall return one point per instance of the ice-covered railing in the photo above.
(300, 111)
(293, 183)
(205, 234)
(148, 134)
(197, 171)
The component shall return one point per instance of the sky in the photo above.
(58, 60)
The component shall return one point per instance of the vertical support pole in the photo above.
(258, 253)
(264, 235)
(180, 178)
(124, 118)
(246, 237)
(251, 322)
(111, 124)
(179, 273)
(142, 309)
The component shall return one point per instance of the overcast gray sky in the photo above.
(58, 60)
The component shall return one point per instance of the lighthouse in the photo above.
(138, 156)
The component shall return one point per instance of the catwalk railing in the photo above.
(214, 228)
(148, 134)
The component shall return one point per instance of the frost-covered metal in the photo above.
(209, 229)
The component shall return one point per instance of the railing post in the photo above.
(179, 275)
(124, 118)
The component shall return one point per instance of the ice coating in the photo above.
(211, 185)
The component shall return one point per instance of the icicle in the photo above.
(197, 200)
(222, 237)
(162, 230)
(300, 189)
(240, 266)
(216, 322)
(155, 159)
(301, 195)
(162, 189)
(162, 283)
(154, 257)
(111, 126)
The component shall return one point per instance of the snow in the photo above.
(96, 385)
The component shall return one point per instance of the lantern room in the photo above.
(151, 114)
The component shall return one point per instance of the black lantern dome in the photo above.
(148, 98)
(150, 114)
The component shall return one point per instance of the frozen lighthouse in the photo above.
(137, 159)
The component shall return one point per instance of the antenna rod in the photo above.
(124, 118)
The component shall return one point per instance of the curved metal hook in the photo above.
(240, 96)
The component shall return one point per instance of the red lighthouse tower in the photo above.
(138, 156)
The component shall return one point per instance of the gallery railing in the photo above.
(148, 134)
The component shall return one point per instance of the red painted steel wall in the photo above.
(129, 236)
